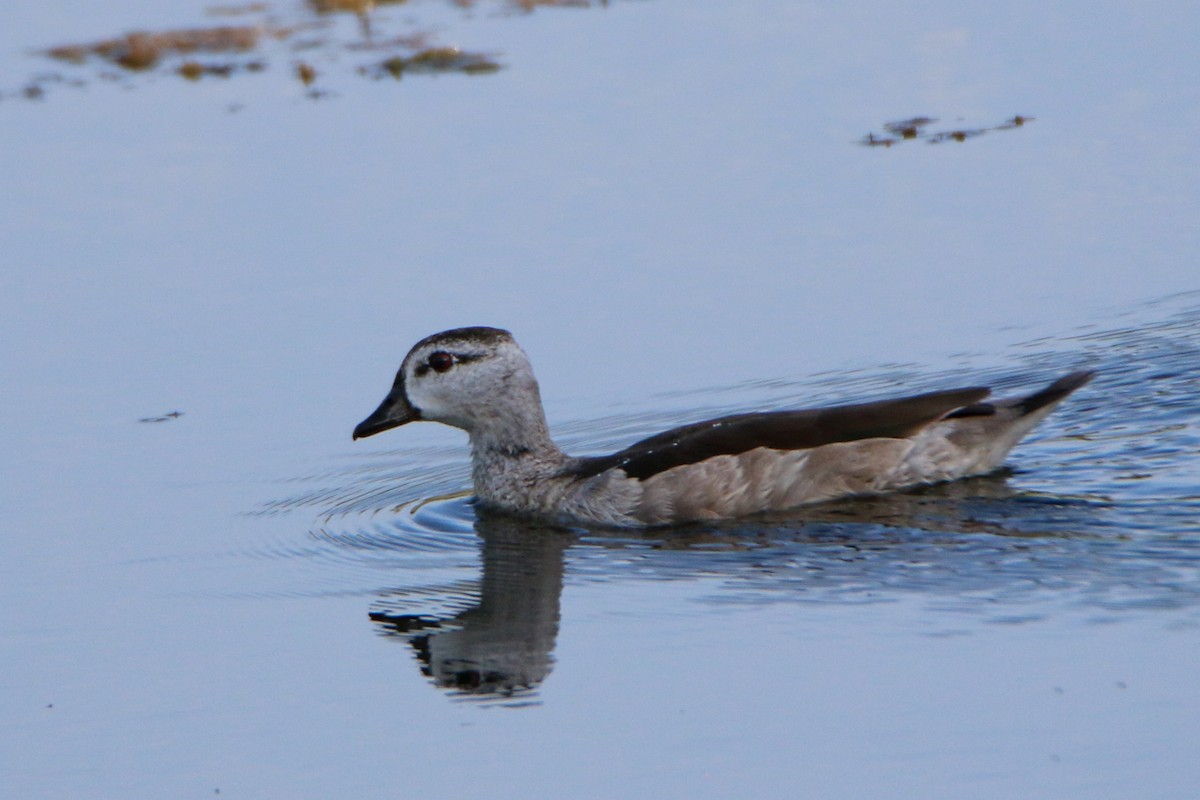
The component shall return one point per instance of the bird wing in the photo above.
(781, 430)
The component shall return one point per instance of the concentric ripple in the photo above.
(1099, 516)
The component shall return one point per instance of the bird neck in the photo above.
(514, 437)
(514, 461)
(514, 432)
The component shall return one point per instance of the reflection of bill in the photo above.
(502, 645)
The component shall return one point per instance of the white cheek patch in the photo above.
(420, 396)
(442, 396)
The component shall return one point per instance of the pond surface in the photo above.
(209, 589)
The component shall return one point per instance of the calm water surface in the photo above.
(1096, 521)
(668, 204)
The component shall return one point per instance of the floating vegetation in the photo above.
(195, 70)
(917, 129)
(143, 50)
(530, 6)
(237, 10)
(353, 6)
(434, 59)
(170, 415)
(306, 73)
(260, 34)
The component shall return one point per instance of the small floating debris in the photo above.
(236, 10)
(918, 128)
(336, 6)
(142, 50)
(248, 37)
(433, 60)
(957, 135)
(871, 140)
(908, 128)
(529, 6)
(306, 73)
(1015, 122)
(194, 70)
(170, 415)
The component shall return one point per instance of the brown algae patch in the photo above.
(258, 35)
(311, 38)
(434, 59)
(142, 50)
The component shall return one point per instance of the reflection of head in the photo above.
(502, 645)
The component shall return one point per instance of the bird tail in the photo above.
(1052, 394)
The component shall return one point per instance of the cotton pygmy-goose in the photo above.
(479, 379)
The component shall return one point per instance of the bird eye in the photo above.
(440, 361)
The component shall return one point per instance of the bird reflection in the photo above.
(494, 639)
(500, 646)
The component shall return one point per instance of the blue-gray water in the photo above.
(668, 204)
(1097, 521)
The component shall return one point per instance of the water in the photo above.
(1097, 523)
(669, 205)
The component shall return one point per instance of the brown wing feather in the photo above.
(781, 430)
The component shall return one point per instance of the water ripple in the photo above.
(1101, 517)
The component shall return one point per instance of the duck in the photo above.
(480, 380)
